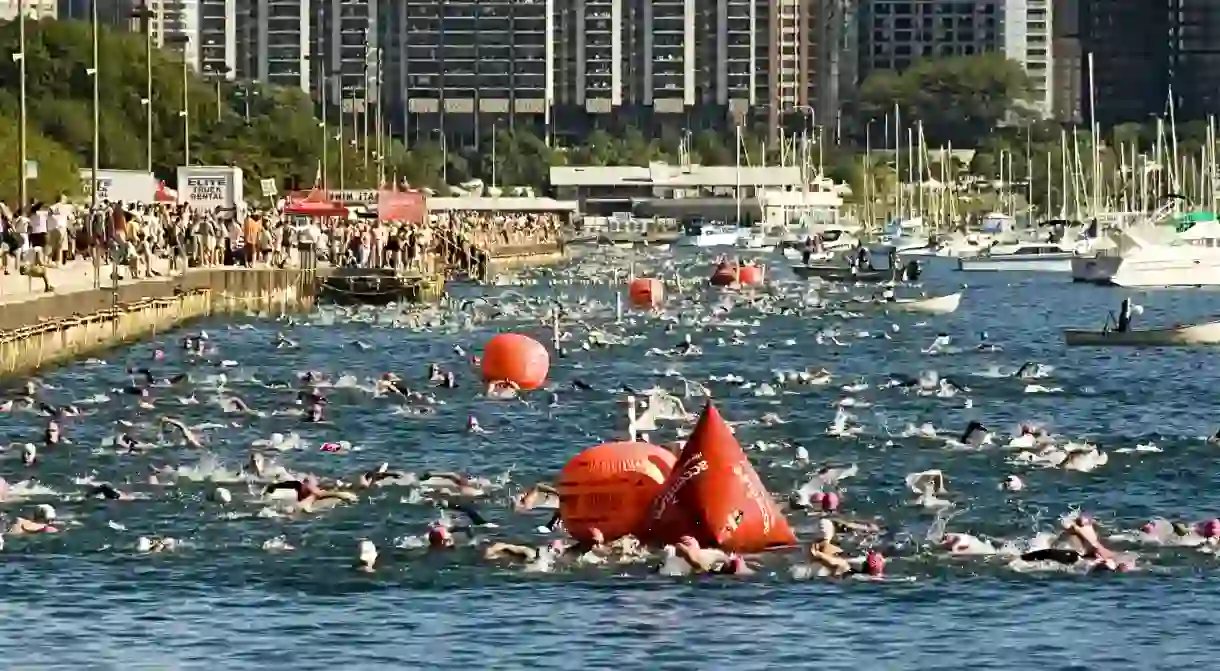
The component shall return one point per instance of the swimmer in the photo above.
(702, 561)
(308, 492)
(107, 491)
(1081, 540)
(313, 413)
(29, 455)
(187, 435)
(52, 435)
(44, 516)
(538, 495)
(155, 545)
(374, 477)
(975, 434)
(256, 465)
(473, 426)
(366, 560)
(523, 553)
(502, 389)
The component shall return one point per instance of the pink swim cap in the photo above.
(330, 447)
(817, 497)
(830, 502)
(158, 354)
(737, 564)
(874, 563)
(439, 536)
(556, 546)
(1209, 528)
(1148, 528)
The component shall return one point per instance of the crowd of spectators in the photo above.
(138, 239)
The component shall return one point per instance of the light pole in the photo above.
(96, 142)
(145, 14)
(186, 105)
(20, 58)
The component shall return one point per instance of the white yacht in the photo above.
(835, 239)
(1022, 256)
(903, 235)
(1192, 259)
(698, 233)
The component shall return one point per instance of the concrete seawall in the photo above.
(518, 256)
(54, 328)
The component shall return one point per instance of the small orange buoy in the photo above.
(610, 487)
(512, 357)
(646, 292)
(748, 276)
(715, 496)
(724, 276)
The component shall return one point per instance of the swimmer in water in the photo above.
(256, 465)
(502, 389)
(308, 492)
(1080, 537)
(373, 478)
(537, 495)
(44, 517)
(107, 491)
(52, 435)
(29, 455)
(313, 413)
(187, 435)
(366, 560)
(689, 551)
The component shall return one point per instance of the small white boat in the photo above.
(934, 305)
(752, 240)
(699, 234)
(902, 235)
(1207, 333)
(1022, 256)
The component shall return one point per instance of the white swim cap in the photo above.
(45, 512)
(1013, 484)
(368, 552)
(30, 449)
(826, 529)
(222, 495)
(143, 544)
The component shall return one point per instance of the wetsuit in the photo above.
(295, 485)
(1057, 555)
(105, 491)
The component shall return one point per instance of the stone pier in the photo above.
(40, 328)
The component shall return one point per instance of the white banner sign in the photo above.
(209, 187)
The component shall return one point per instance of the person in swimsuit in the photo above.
(308, 492)
(107, 491)
(1082, 536)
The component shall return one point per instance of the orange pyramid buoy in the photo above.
(646, 292)
(748, 276)
(609, 487)
(715, 496)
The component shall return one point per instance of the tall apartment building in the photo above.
(1144, 51)
(1067, 69)
(895, 33)
(34, 9)
(462, 65)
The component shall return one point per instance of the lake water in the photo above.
(84, 599)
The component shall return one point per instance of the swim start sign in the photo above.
(209, 187)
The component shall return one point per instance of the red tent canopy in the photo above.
(315, 204)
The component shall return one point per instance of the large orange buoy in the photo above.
(715, 496)
(748, 276)
(610, 487)
(646, 292)
(724, 276)
(516, 358)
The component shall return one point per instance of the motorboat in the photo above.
(1191, 259)
(934, 305)
(836, 272)
(1207, 333)
(1023, 256)
(752, 239)
(698, 233)
(902, 235)
(835, 239)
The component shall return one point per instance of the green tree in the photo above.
(959, 99)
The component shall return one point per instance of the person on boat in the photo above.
(1124, 316)
(863, 260)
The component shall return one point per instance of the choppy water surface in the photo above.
(85, 598)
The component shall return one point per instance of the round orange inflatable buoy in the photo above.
(724, 275)
(516, 358)
(610, 487)
(646, 292)
(748, 276)
(715, 496)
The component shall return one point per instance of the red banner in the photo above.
(408, 206)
